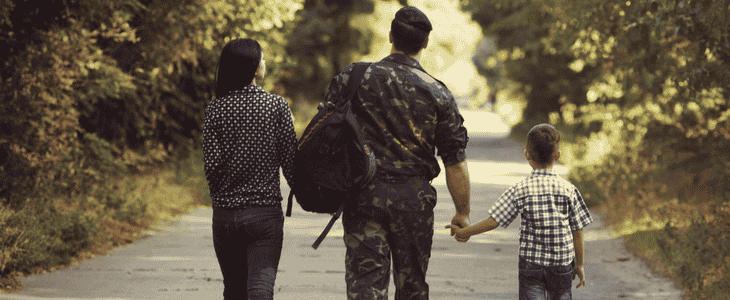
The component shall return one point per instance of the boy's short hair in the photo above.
(410, 29)
(542, 142)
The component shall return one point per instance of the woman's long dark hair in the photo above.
(237, 66)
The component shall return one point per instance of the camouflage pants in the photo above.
(392, 219)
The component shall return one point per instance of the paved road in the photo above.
(177, 260)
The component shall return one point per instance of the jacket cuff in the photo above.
(453, 158)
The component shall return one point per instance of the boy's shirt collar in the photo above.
(543, 172)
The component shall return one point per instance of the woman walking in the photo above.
(248, 134)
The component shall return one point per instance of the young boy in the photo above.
(553, 216)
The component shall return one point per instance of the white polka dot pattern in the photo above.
(248, 134)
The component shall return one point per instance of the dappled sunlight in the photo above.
(510, 111)
(448, 57)
(607, 87)
(451, 43)
(597, 147)
(631, 226)
(162, 197)
(502, 173)
(658, 215)
(484, 125)
(103, 101)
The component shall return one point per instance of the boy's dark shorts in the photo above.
(541, 283)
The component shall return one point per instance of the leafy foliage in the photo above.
(641, 90)
(700, 256)
(95, 91)
(529, 55)
(323, 43)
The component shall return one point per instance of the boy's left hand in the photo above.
(581, 278)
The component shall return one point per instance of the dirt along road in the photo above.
(177, 260)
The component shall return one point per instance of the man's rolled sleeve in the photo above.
(453, 158)
(451, 136)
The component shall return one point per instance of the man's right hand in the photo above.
(460, 220)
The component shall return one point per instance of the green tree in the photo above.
(323, 43)
(125, 81)
(95, 90)
(529, 56)
(647, 70)
(643, 88)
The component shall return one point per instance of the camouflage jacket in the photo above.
(405, 115)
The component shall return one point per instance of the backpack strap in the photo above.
(356, 75)
(358, 72)
(327, 228)
(289, 204)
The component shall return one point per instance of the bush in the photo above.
(95, 96)
(699, 255)
(90, 87)
(13, 243)
(642, 86)
(56, 231)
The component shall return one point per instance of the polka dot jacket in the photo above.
(248, 134)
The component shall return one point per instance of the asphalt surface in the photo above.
(177, 261)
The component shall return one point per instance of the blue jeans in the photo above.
(248, 245)
(545, 283)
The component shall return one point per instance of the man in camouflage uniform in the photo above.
(405, 115)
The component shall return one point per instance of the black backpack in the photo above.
(332, 164)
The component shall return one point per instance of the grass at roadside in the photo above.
(58, 233)
(645, 246)
(695, 258)
(160, 195)
(55, 232)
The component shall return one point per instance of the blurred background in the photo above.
(103, 103)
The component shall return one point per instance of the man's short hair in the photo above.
(542, 142)
(410, 29)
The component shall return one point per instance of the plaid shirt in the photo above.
(551, 208)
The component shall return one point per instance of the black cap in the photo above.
(414, 17)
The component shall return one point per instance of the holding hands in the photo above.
(459, 233)
(458, 222)
(462, 231)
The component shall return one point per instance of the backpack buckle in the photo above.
(324, 149)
